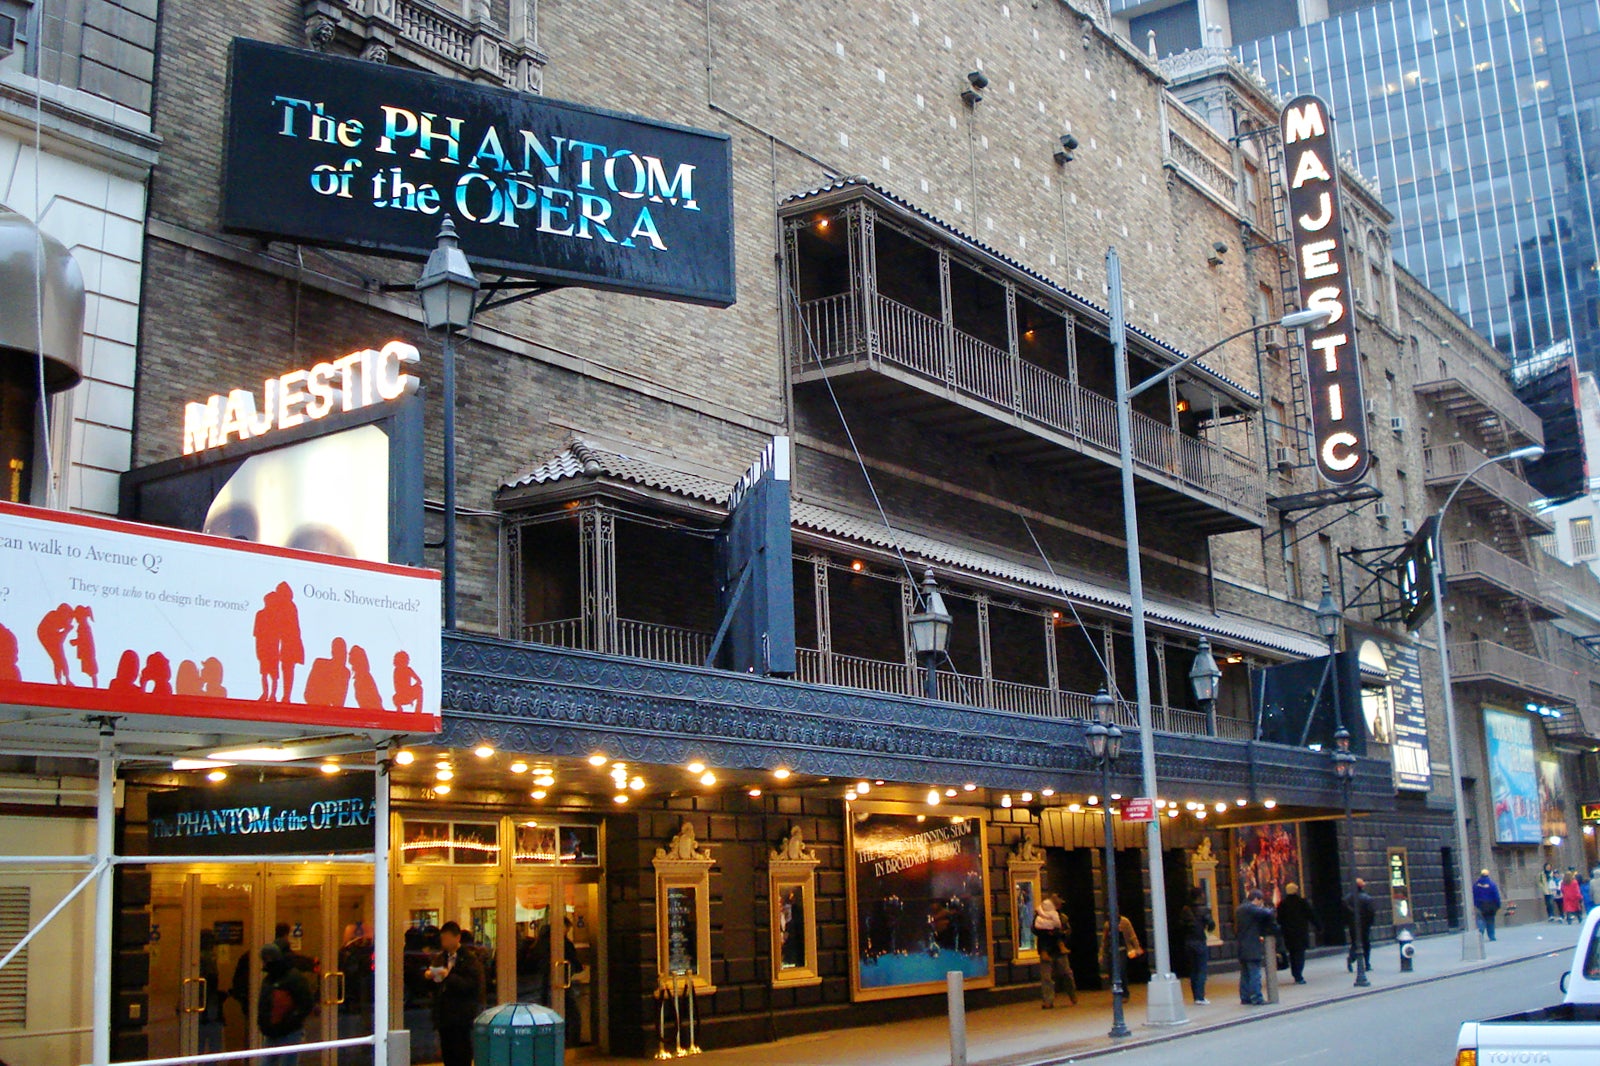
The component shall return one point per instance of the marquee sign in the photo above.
(755, 570)
(109, 617)
(345, 153)
(295, 816)
(1414, 574)
(1316, 235)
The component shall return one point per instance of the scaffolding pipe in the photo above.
(288, 1051)
(57, 909)
(105, 824)
(381, 924)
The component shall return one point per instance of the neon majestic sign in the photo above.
(349, 383)
(1316, 235)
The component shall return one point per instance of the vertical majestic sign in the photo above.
(755, 571)
(343, 153)
(1316, 237)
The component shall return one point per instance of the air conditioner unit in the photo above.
(1408, 527)
(1398, 424)
(1283, 459)
(1372, 408)
(1275, 339)
(1381, 510)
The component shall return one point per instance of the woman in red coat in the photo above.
(1571, 897)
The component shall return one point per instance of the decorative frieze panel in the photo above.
(439, 38)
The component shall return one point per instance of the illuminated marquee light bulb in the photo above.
(696, 768)
(1221, 806)
(636, 784)
(538, 793)
(445, 775)
(1005, 801)
(1047, 792)
(483, 751)
(933, 797)
(850, 795)
(441, 790)
(544, 780)
(1027, 797)
(404, 758)
(781, 774)
(519, 767)
(708, 778)
(598, 760)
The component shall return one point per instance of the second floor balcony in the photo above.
(914, 321)
(1517, 675)
(1475, 566)
(1483, 399)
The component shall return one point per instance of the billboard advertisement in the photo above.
(1267, 857)
(1395, 713)
(919, 894)
(106, 616)
(1513, 779)
(339, 152)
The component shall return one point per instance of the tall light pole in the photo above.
(448, 288)
(930, 632)
(1329, 618)
(1164, 1003)
(1104, 741)
(1471, 946)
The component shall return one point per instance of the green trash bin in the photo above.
(519, 1034)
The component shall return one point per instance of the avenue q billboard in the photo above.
(109, 617)
(346, 153)
(1316, 237)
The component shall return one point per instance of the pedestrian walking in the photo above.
(1133, 968)
(1051, 932)
(459, 997)
(1359, 914)
(1550, 885)
(1254, 921)
(1197, 925)
(285, 1004)
(1571, 898)
(1486, 901)
(1297, 920)
(1584, 892)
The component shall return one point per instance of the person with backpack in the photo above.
(458, 997)
(286, 1002)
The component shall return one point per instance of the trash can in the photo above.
(519, 1034)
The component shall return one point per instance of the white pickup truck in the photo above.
(1568, 1033)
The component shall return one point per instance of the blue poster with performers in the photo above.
(1513, 777)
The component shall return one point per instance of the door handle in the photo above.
(340, 975)
(186, 996)
(566, 973)
(331, 981)
(204, 994)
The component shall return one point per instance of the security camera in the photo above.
(1219, 247)
(1063, 155)
(977, 80)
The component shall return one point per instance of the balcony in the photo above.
(912, 324)
(1483, 400)
(689, 647)
(1478, 568)
(1520, 676)
(1494, 486)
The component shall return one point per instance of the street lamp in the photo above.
(1204, 677)
(1471, 947)
(930, 632)
(1344, 768)
(1164, 1001)
(1104, 740)
(448, 288)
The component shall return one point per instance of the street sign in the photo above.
(1139, 810)
(1589, 812)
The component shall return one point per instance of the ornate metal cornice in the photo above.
(554, 701)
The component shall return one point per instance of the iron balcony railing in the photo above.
(1446, 464)
(1474, 562)
(1483, 662)
(1460, 384)
(832, 332)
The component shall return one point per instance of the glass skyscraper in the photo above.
(1477, 121)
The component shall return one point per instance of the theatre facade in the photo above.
(786, 342)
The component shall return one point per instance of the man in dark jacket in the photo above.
(286, 1003)
(1254, 921)
(1486, 901)
(1296, 919)
(1359, 914)
(459, 996)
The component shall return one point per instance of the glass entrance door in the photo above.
(559, 944)
(324, 920)
(202, 928)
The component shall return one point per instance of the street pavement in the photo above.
(1022, 1034)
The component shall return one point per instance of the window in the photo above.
(15, 33)
(450, 843)
(1582, 537)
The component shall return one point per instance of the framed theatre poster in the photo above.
(1022, 867)
(1266, 857)
(919, 892)
(792, 874)
(683, 911)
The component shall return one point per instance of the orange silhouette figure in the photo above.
(188, 683)
(407, 685)
(9, 671)
(367, 695)
(53, 629)
(211, 679)
(156, 678)
(83, 642)
(328, 683)
(279, 648)
(127, 679)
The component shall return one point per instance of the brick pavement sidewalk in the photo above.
(1022, 1034)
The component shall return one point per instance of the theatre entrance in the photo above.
(207, 927)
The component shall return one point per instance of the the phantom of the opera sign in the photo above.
(346, 153)
(1316, 236)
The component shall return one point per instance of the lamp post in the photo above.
(1164, 1000)
(1104, 741)
(930, 632)
(447, 288)
(1329, 618)
(1204, 677)
(1471, 946)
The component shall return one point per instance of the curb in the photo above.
(1060, 1058)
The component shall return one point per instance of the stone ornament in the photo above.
(684, 848)
(793, 849)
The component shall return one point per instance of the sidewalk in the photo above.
(1022, 1034)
